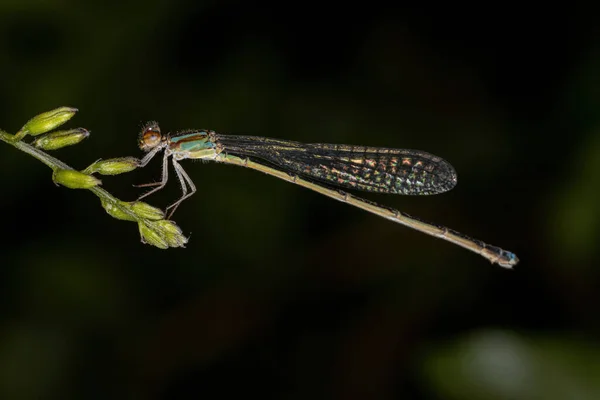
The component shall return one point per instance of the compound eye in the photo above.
(150, 136)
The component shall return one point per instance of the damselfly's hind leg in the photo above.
(151, 184)
(148, 184)
(162, 183)
(185, 181)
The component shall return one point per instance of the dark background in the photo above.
(283, 293)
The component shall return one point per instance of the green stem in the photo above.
(55, 163)
(155, 231)
(47, 159)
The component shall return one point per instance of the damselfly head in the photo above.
(150, 136)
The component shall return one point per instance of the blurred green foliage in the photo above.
(281, 293)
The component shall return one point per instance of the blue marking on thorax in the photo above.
(192, 141)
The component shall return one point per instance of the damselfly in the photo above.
(313, 166)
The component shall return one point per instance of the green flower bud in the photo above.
(145, 210)
(172, 233)
(47, 121)
(74, 179)
(152, 236)
(115, 211)
(56, 140)
(113, 166)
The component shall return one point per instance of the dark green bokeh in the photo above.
(283, 293)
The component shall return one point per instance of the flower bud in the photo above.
(56, 140)
(47, 121)
(113, 166)
(115, 211)
(172, 233)
(152, 237)
(74, 179)
(145, 210)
